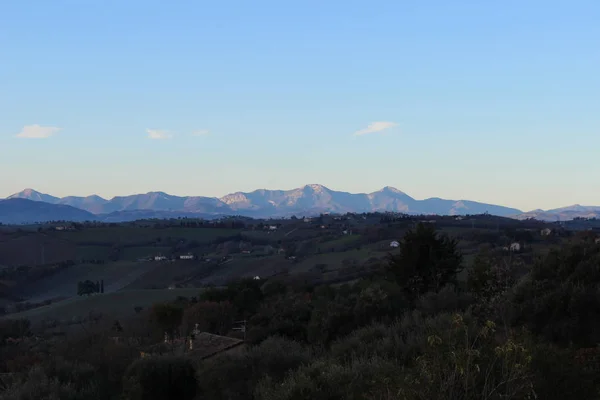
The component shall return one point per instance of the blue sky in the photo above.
(489, 101)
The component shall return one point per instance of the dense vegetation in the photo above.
(410, 330)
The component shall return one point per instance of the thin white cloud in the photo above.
(37, 131)
(201, 132)
(158, 134)
(375, 127)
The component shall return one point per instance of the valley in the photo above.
(44, 263)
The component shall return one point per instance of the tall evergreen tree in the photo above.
(427, 261)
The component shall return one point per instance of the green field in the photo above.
(341, 242)
(333, 261)
(166, 273)
(64, 283)
(92, 252)
(134, 253)
(141, 235)
(118, 304)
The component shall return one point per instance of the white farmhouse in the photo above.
(546, 232)
(186, 257)
(515, 246)
(394, 243)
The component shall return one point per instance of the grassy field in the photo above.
(98, 252)
(134, 253)
(118, 304)
(167, 273)
(64, 283)
(334, 261)
(135, 235)
(341, 242)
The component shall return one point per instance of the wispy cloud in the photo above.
(201, 132)
(37, 131)
(158, 134)
(375, 127)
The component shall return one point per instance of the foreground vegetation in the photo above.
(411, 329)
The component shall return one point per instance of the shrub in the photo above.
(327, 379)
(235, 376)
(160, 378)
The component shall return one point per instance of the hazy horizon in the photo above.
(491, 102)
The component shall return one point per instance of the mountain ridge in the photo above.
(265, 203)
(307, 200)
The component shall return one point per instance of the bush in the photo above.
(466, 362)
(235, 377)
(160, 378)
(211, 317)
(327, 379)
(560, 299)
(401, 342)
(446, 300)
(64, 381)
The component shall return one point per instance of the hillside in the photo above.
(20, 211)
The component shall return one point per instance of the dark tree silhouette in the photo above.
(86, 287)
(427, 261)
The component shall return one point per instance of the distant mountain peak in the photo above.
(316, 187)
(27, 192)
(392, 189)
(34, 195)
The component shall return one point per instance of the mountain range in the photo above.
(562, 213)
(262, 203)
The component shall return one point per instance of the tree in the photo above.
(86, 287)
(211, 317)
(559, 297)
(167, 316)
(427, 261)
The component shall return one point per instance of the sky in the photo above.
(493, 101)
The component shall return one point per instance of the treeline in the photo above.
(411, 331)
(88, 287)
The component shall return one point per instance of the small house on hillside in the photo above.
(186, 257)
(515, 246)
(160, 258)
(199, 346)
(394, 243)
(546, 232)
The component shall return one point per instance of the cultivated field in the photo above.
(64, 283)
(117, 304)
(141, 235)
